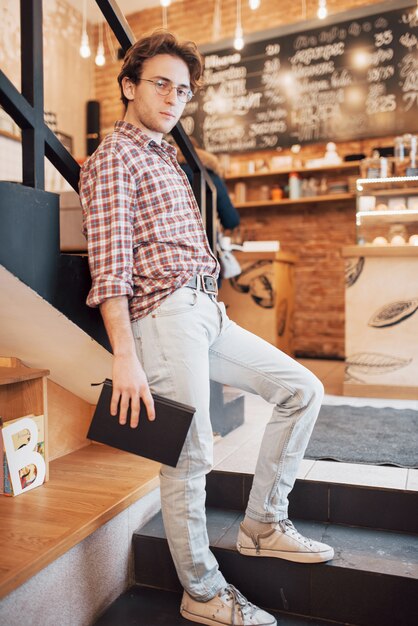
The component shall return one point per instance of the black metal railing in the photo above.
(27, 108)
(38, 140)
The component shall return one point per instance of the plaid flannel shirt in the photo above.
(145, 235)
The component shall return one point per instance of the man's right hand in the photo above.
(130, 387)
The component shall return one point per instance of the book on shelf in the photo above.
(260, 246)
(20, 439)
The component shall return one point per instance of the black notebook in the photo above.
(161, 440)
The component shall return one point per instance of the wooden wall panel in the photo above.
(69, 418)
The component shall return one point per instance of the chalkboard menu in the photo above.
(350, 80)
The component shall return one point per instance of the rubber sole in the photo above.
(295, 557)
(211, 622)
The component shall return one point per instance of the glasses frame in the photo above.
(189, 92)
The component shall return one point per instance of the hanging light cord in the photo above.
(110, 43)
(84, 22)
(239, 14)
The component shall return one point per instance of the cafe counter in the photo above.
(261, 298)
(381, 311)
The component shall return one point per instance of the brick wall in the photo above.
(193, 19)
(68, 79)
(316, 233)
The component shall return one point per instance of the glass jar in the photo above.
(240, 192)
(295, 186)
(264, 192)
(399, 161)
(412, 169)
(370, 167)
(276, 193)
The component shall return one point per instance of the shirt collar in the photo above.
(142, 138)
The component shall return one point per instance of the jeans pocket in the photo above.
(181, 301)
(136, 329)
(222, 308)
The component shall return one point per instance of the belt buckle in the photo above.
(213, 291)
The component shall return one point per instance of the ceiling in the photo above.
(127, 7)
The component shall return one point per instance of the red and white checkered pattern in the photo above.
(145, 235)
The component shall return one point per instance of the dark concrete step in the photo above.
(141, 606)
(371, 507)
(227, 408)
(372, 581)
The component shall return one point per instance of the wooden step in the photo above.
(141, 606)
(372, 580)
(86, 489)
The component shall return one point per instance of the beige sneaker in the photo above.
(283, 542)
(227, 608)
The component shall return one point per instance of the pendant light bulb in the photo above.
(100, 54)
(239, 33)
(322, 9)
(165, 3)
(239, 38)
(254, 4)
(85, 51)
(100, 57)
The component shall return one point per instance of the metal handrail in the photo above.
(203, 187)
(27, 111)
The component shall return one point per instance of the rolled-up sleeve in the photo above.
(107, 194)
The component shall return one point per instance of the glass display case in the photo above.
(387, 211)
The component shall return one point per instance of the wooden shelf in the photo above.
(382, 251)
(336, 197)
(8, 135)
(386, 218)
(86, 489)
(10, 375)
(399, 191)
(342, 167)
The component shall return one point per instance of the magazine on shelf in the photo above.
(28, 473)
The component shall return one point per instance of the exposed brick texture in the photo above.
(193, 19)
(316, 233)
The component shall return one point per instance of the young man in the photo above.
(154, 278)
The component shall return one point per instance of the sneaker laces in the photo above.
(288, 528)
(238, 601)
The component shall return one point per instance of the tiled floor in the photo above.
(238, 451)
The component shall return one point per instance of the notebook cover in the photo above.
(161, 440)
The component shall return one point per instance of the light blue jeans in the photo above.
(186, 342)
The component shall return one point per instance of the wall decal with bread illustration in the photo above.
(372, 363)
(381, 323)
(258, 284)
(261, 299)
(353, 269)
(393, 313)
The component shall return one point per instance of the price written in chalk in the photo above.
(348, 80)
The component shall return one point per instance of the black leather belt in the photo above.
(205, 282)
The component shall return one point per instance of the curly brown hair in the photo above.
(160, 42)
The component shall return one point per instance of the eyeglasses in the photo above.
(164, 87)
